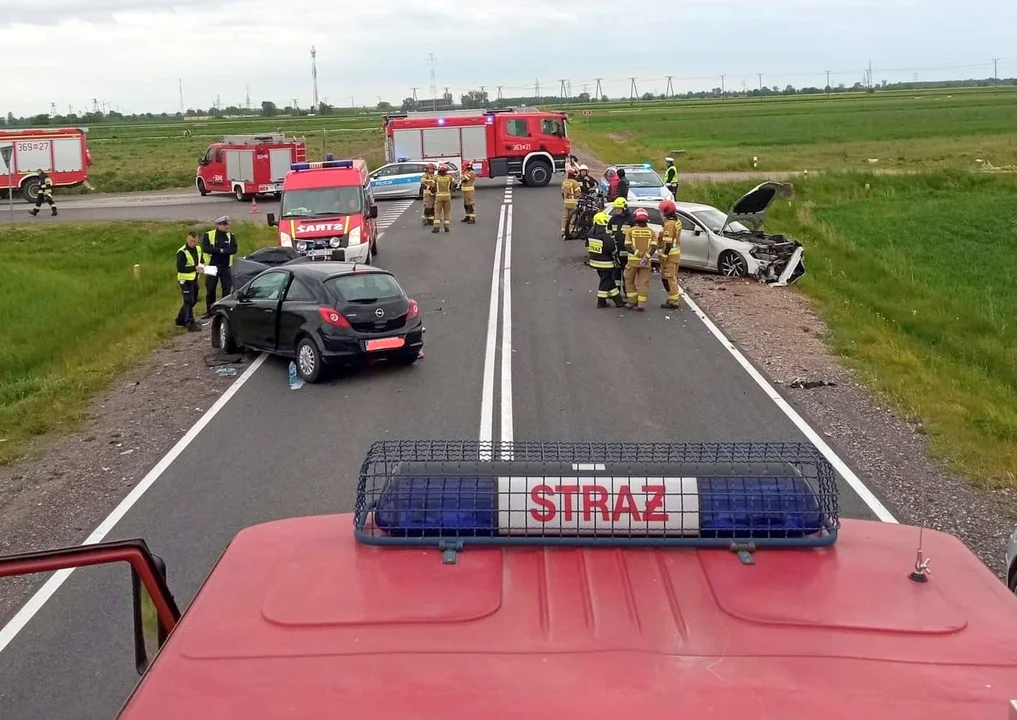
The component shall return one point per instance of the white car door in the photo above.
(695, 243)
(383, 180)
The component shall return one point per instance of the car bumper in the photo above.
(357, 253)
(353, 347)
(353, 253)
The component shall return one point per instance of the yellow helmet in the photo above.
(601, 218)
(620, 203)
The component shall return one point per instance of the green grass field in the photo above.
(905, 131)
(73, 316)
(921, 130)
(917, 279)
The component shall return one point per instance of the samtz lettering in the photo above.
(321, 227)
(587, 499)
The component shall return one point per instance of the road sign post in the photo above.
(7, 153)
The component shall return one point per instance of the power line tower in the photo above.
(869, 76)
(536, 88)
(562, 92)
(95, 106)
(500, 96)
(314, 75)
(669, 90)
(995, 72)
(434, 84)
(723, 90)
(760, 80)
(414, 95)
(180, 90)
(599, 91)
(247, 97)
(52, 109)
(633, 91)
(827, 82)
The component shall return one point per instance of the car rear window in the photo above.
(359, 287)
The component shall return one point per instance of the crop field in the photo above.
(916, 278)
(73, 316)
(923, 130)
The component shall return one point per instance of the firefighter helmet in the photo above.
(430, 167)
(667, 207)
(443, 170)
(572, 170)
(601, 218)
(640, 215)
(620, 203)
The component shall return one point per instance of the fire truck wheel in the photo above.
(201, 187)
(240, 194)
(30, 189)
(538, 173)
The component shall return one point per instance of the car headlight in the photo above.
(355, 236)
(301, 246)
(334, 242)
(285, 240)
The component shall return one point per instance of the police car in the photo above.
(644, 182)
(401, 179)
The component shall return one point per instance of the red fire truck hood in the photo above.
(321, 226)
(299, 620)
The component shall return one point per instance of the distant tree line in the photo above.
(470, 100)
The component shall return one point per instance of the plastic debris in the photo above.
(295, 382)
(226, 371)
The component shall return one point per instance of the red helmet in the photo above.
(667, 207)
(443, 169)
(640, 215)
(430, 167)
(572, 170)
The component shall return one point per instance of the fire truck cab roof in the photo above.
(327, 173)
(457, 610)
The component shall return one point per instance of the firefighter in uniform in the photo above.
(187, 278)
(469, 194)
(570, 194)
(618, 224)
(218, 249)
(642, 244)
(671, 253)
(442, 199)
(45, 194)
(427, 190)
(602, 249)
(671, 177)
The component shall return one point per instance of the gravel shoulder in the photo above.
(67, 485)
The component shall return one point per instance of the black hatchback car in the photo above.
(321, 313)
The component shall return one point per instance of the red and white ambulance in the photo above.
(528, 144)
(61, 152)
(248, 165)
(328, 211)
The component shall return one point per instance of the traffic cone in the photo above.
(254, 206)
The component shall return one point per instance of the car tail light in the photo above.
(333, 317)
(414, 310)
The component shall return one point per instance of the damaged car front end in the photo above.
(779, 260)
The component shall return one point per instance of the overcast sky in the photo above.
(131, 53)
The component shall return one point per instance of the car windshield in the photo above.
(364, 287)
(320, 202)
(643, 178)
(714, 219)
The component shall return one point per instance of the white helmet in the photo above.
(583, 167)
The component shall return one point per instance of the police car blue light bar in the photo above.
(322, 164)
(431, 492)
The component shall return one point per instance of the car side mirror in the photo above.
(697, 231)
(272, 222)
(374, 211)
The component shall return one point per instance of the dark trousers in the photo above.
(607, 288)
(189, 294)
(211, 281)
(41, 198)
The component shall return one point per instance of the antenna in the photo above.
(314, 75)
(431, 60)
(180, 89)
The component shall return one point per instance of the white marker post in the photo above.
(7, 154)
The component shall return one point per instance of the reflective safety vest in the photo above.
(190, 267)
(442, 187)
(427, 181)
(600, 245)
(641, 241)
(671, 175)
(469, 177)
(570, 192)
(206, 259)
(670, 237)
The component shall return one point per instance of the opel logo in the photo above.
(379, 313)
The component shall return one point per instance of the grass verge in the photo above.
(73, 316)
(917, 279)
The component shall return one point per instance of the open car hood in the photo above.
(751, 208)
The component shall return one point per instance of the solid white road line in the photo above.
(487, 391)
(506, 336)
(42, 596)
(867, 496)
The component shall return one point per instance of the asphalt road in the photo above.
(273, 452)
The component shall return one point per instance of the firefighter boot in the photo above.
(54, 210)
(601, 302)
(33, 211)
(618, 302)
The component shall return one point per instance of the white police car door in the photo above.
(404, 181)
(383, 180)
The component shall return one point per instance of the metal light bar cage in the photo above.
(450, 494)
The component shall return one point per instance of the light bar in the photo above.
(322, 164)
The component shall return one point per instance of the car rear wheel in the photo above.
(732, 264)
(222, 335)
(308, 360)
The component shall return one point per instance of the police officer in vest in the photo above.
(218, 250)
(187, 277)
(671, 177)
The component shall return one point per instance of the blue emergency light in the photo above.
(441, 121)
(648, 166)
(322, 164)
(451, 494)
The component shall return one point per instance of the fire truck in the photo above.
(248, 165)
(527, 144)
(573, 580)
(61, 152)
